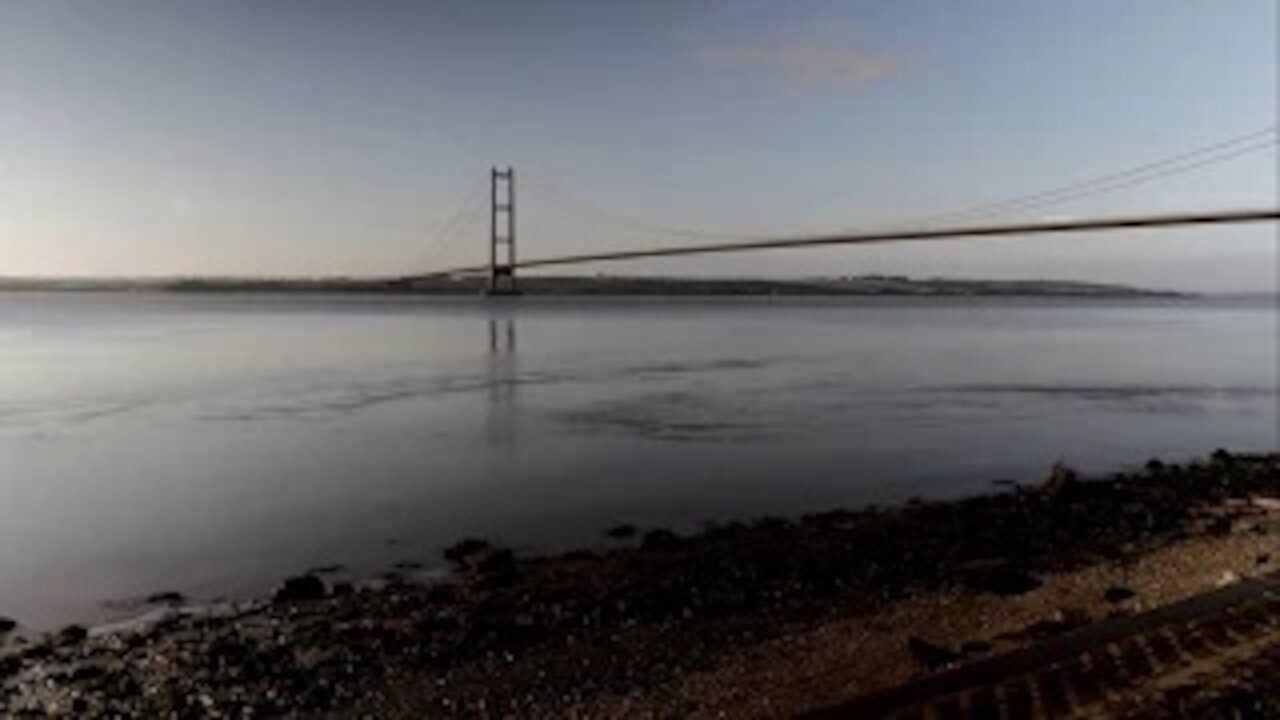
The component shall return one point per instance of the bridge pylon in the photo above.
(502, 233)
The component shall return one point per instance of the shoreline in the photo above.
(684, 621)
(608, 286)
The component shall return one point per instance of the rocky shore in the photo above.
(678, 626)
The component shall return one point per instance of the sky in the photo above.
(355, 137)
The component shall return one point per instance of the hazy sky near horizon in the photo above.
(304, 137)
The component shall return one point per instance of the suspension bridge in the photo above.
(503, 261)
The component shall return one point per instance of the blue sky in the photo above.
(323, 137)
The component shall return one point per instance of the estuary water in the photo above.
(214, 444)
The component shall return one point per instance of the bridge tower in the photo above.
(502, 233)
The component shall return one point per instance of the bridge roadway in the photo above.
(973, 231)
(1103, 670)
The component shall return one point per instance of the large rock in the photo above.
(621, 532)
(166, 598)
(931, 655)
(1117, 594)
(301, 589)
(497, 562)
(660, 540)
(1061, 479)
(465, 551)
(72, 634)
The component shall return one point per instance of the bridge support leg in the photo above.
(502, 233)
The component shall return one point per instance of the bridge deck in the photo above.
(1138, 222)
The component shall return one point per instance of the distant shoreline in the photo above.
(580, 286)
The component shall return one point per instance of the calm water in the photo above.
(214, 444)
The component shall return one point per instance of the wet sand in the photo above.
(753, 620)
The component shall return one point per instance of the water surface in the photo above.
(213, 444)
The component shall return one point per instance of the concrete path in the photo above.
(1092, 671)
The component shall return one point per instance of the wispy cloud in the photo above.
(809, 63)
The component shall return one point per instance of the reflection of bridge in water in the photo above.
(502, 378)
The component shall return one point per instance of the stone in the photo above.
(461, 552)
(1072, 616)
(1220, 526)
(1117, 594)
(931, 655)
(7, 625)
(1061, 478)
(301, 588)
(10, 665)
(659, 540)
(72, 634)
(621, 532)
(501, 561)
(89, 672)
(38, 653)
(166, 598)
